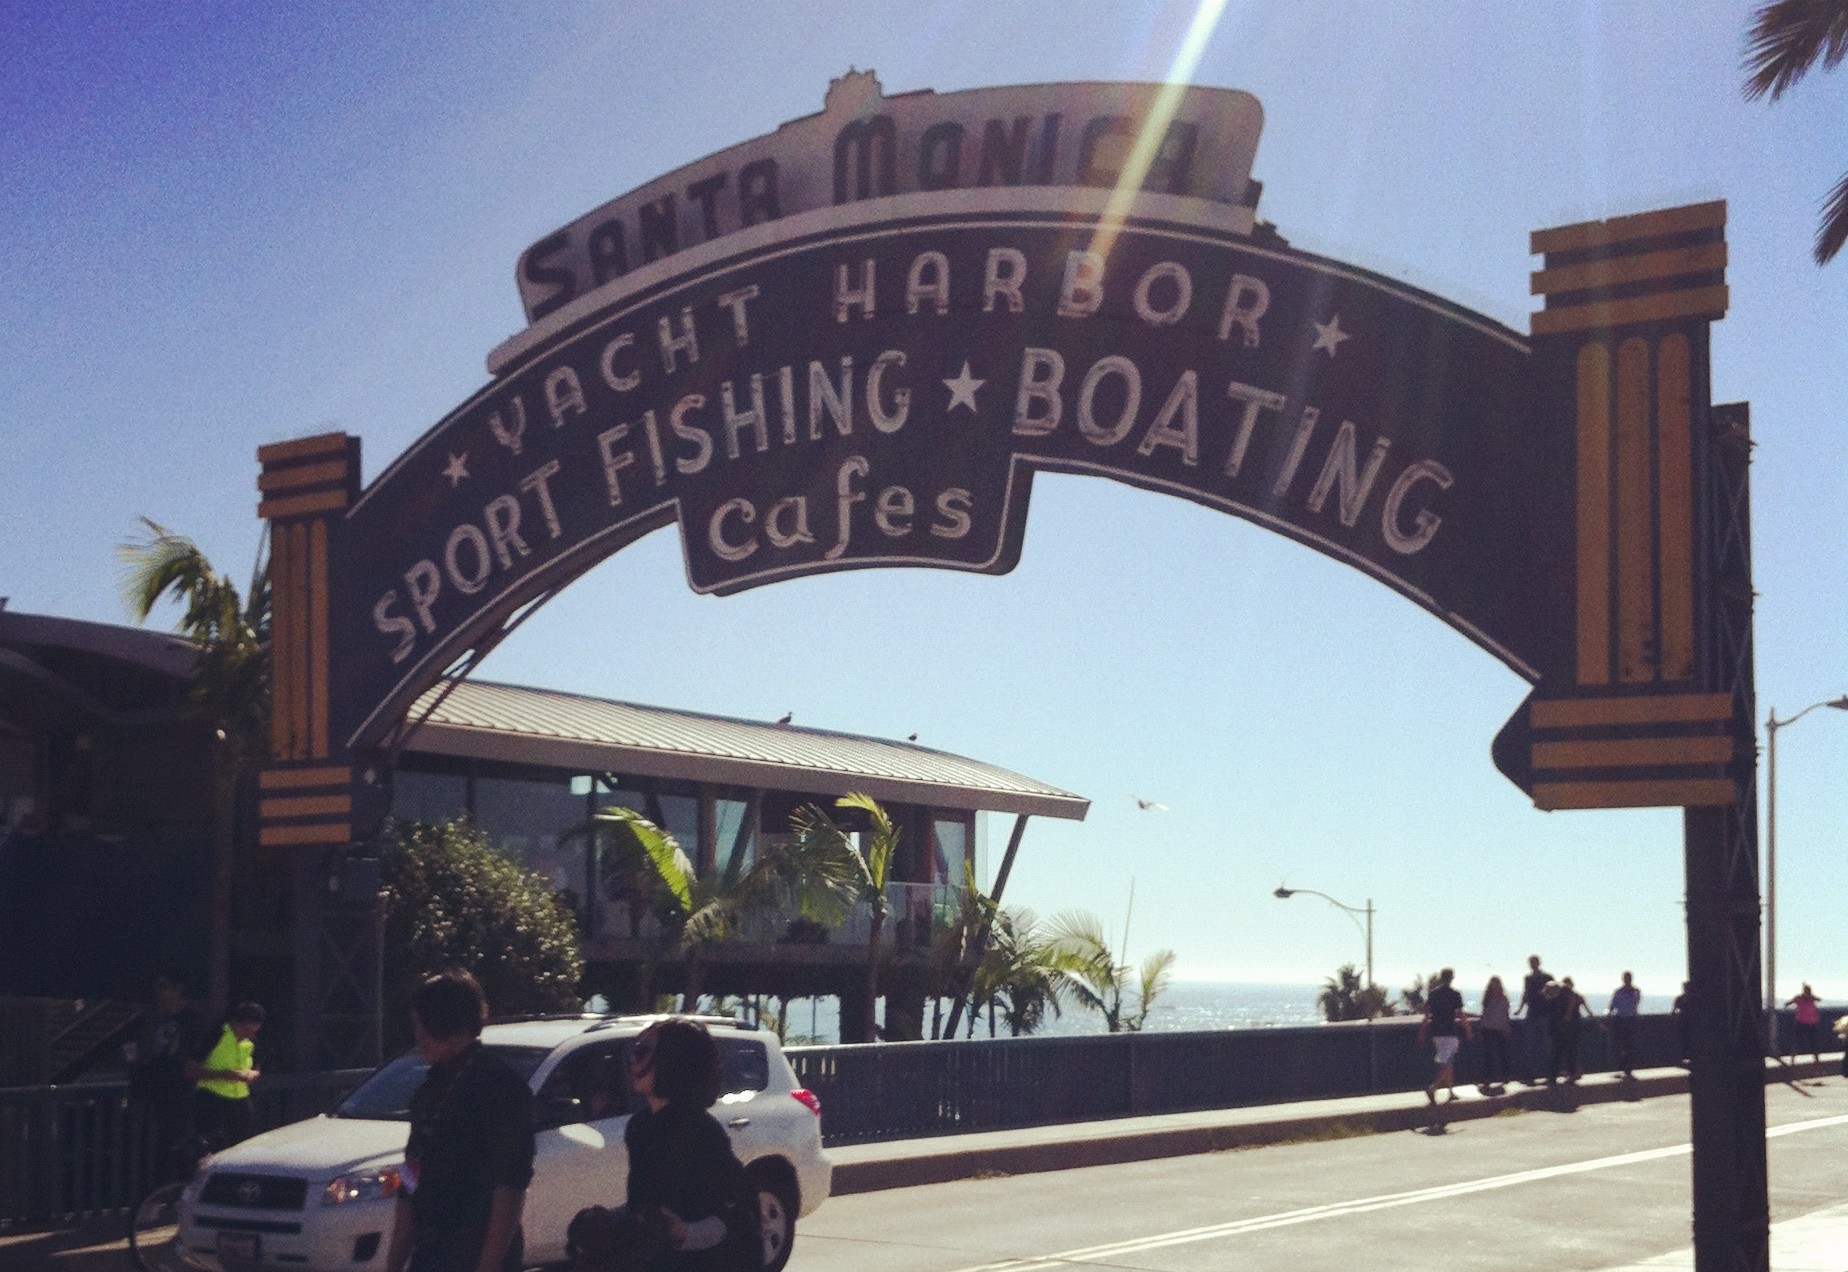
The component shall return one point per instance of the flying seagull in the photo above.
(1147, 805)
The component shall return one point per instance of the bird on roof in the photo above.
(1149, 805)
(911, 737)
(787, 717)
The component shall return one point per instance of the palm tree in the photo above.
(957, 949)
(1344, 997)
(819, 838)
(700, 910)
(1100, 981)
(230, 686)
(1024, 972)
(1787, 38)
(1413, 998)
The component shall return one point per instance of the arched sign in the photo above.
(876, 385)
(853, 342)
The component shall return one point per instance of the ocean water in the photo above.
(1184, 1006)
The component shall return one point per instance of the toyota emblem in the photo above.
(249, 1193)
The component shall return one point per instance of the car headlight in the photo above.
(363, 1185)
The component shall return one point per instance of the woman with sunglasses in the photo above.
(681, 1162)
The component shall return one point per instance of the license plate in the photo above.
(237, 1249)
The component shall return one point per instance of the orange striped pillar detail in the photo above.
(305, 486)
(1632, 292)
(1675, 496)
(1594, 514)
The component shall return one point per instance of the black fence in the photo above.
(906, 1090)
(71, 1152)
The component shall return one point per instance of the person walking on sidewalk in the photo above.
(469, 1157)
(168, 1039)
(1444, 1027)
(1569, 1007)
(1626, 1005)
(1536, 1033)
(1496, 1025)
(223, 1066)
(1808, 1035)
(682, 1166)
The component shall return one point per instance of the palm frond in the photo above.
(1787, 38)
(1833, 234)
(881, 846)
(1153, 977)
(663, 851)
(163, 562)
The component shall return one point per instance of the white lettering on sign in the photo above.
(864, 145)
(472, 553)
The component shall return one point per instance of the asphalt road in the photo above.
(1604, 1187)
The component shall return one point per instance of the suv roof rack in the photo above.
(531, 1017)
(649, 1018)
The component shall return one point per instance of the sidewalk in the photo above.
(908, 1163)
(100, 1245)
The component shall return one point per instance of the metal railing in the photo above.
(889, 1091)
(78, 1151)
(71, 1152)
(915, 914)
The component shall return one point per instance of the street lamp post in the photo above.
(1284, 894)
(1772, 725)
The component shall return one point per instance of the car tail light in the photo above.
(807, 1099)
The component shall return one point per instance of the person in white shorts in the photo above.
(1445, 1026)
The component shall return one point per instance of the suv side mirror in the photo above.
(557, 1110)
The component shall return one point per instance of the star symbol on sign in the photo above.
(962, 390)
(457, 470)
(1328, 335)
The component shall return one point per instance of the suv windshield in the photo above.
(386, 1095)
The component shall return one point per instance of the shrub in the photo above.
(452, 900)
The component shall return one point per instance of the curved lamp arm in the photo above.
(1773, 724)
(1353, 912)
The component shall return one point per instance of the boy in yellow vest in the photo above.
(223, 1068)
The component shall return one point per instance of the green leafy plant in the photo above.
(1100, 981)
(229, 690)
(1345, 997)
(828, 849)
(452, 900)
(1787, 39)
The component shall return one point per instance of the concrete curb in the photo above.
(905, 1164)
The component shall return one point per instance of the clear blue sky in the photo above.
(224, 225)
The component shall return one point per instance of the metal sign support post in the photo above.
(1727, 1076)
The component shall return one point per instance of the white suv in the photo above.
(319, 1194)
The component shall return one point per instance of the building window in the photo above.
(950, 849)
(736, 831)
(430, 798)
(530, 820)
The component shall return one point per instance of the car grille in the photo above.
(254, 1192)
(214, 1224)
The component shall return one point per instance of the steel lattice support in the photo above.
(1731, 1197)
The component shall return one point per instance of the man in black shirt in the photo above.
(1444, 1028)
(157, 1083)
(470, 1153)
(1536, 1033)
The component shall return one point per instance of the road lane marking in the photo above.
(1809, 1243)
(1363, 1205)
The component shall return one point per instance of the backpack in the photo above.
(616, 1239)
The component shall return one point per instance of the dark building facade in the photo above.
(106, 825)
